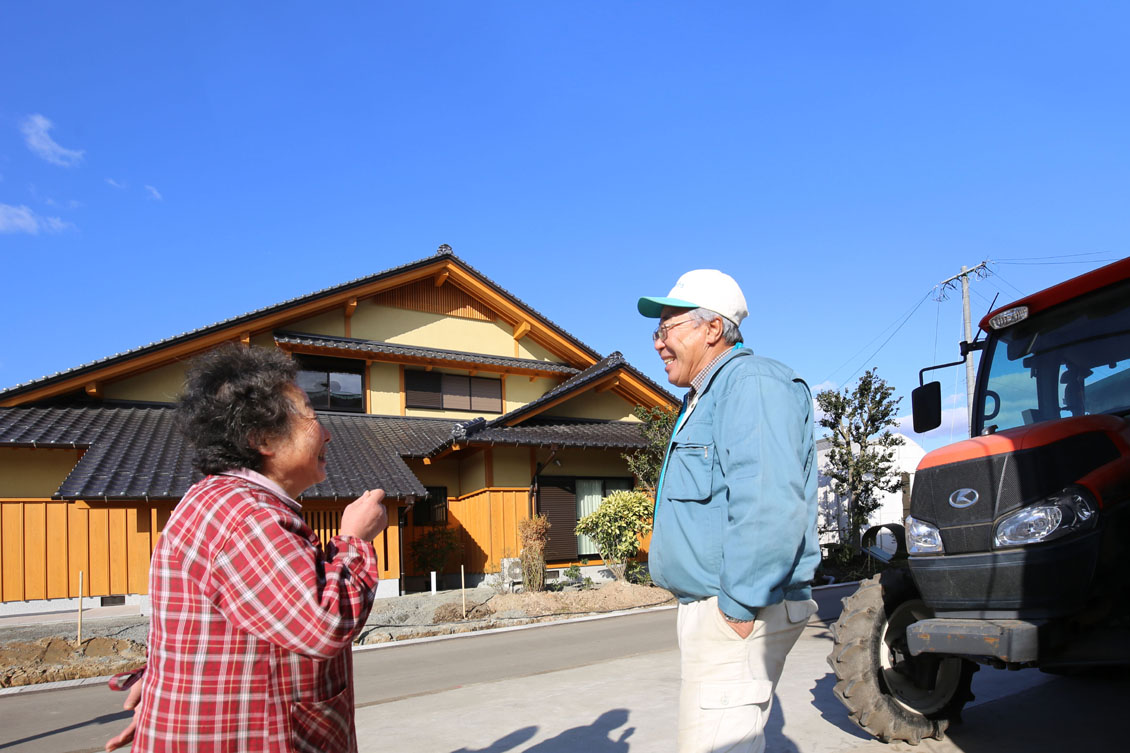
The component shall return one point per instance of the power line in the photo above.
(903, 322)
(1056, 256)
(852, 357)
(1053, 263)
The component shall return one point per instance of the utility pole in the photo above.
(981, 270)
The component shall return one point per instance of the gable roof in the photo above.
(138, 453)
(444, 267)
(522, 427)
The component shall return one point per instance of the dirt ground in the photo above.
(31, 654)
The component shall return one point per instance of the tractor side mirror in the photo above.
(926, 404)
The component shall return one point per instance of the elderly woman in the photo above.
(249, 648)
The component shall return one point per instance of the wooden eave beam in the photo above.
(521, 330)
(609, 385)
(94, 389)
(185, 349)
(638, 392)
(441, 277)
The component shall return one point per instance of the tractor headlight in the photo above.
(1059, 515)
(922, 537)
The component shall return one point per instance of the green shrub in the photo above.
(616, 527)
(433, 548)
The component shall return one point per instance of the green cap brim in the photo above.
(652, 308)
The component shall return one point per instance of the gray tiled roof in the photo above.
(413, 352)
(564, 432)
(544, 430)
(579, 381)
(137, 453)
(444, 253)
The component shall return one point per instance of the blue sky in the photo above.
(164, 166)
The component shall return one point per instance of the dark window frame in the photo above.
(433, 390)
(328, 366)
(563, 514)
(431, 510)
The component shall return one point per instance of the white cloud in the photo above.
(22, 219)
(154, 192)
(115, 183)
(35, 128)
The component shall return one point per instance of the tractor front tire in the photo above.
(889, 693)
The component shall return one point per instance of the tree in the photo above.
(861, 462)
(656, 427)
(616, 527)
(434, 547)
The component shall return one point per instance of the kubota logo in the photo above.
(963, 498)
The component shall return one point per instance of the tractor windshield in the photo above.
(1072, 360)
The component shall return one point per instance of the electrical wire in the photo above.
(900, 326)
(903, 321)
(1056, 256)
(1056, 263)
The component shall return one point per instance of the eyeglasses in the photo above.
(661, 331)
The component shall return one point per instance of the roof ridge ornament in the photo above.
(444, 250)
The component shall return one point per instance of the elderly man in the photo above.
(735, 514)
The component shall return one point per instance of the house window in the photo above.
(565, 500)
(332, 383)
(432, 509)
(430, 389)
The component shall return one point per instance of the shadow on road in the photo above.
(775, 738)
(591, 738)
(1087, 710)
(503, 744)
(830, 708)
(104, 719)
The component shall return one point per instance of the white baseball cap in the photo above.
(701, 288)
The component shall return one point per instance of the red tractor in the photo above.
(1015, 551)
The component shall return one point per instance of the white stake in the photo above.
(463, 586)
(80, 608)
(433, 581)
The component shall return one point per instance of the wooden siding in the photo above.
(448, 300)
(44, 543)
(487, 523)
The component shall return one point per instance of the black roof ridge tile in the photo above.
(291, 336)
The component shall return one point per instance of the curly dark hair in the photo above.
(233, 397)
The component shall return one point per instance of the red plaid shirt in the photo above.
(249, 647)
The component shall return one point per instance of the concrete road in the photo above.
(607, 686)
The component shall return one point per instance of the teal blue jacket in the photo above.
(735, 512)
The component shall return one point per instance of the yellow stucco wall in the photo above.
(472, 473)
(511, 466)
(330, 323)
(519, 390)
(587, 463)
(38, 472)
(604, 405)
(444, 472)
(387, 324)
(384, 389)
(162, 385)
(527, 348)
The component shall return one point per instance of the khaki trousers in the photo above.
(727, 682)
